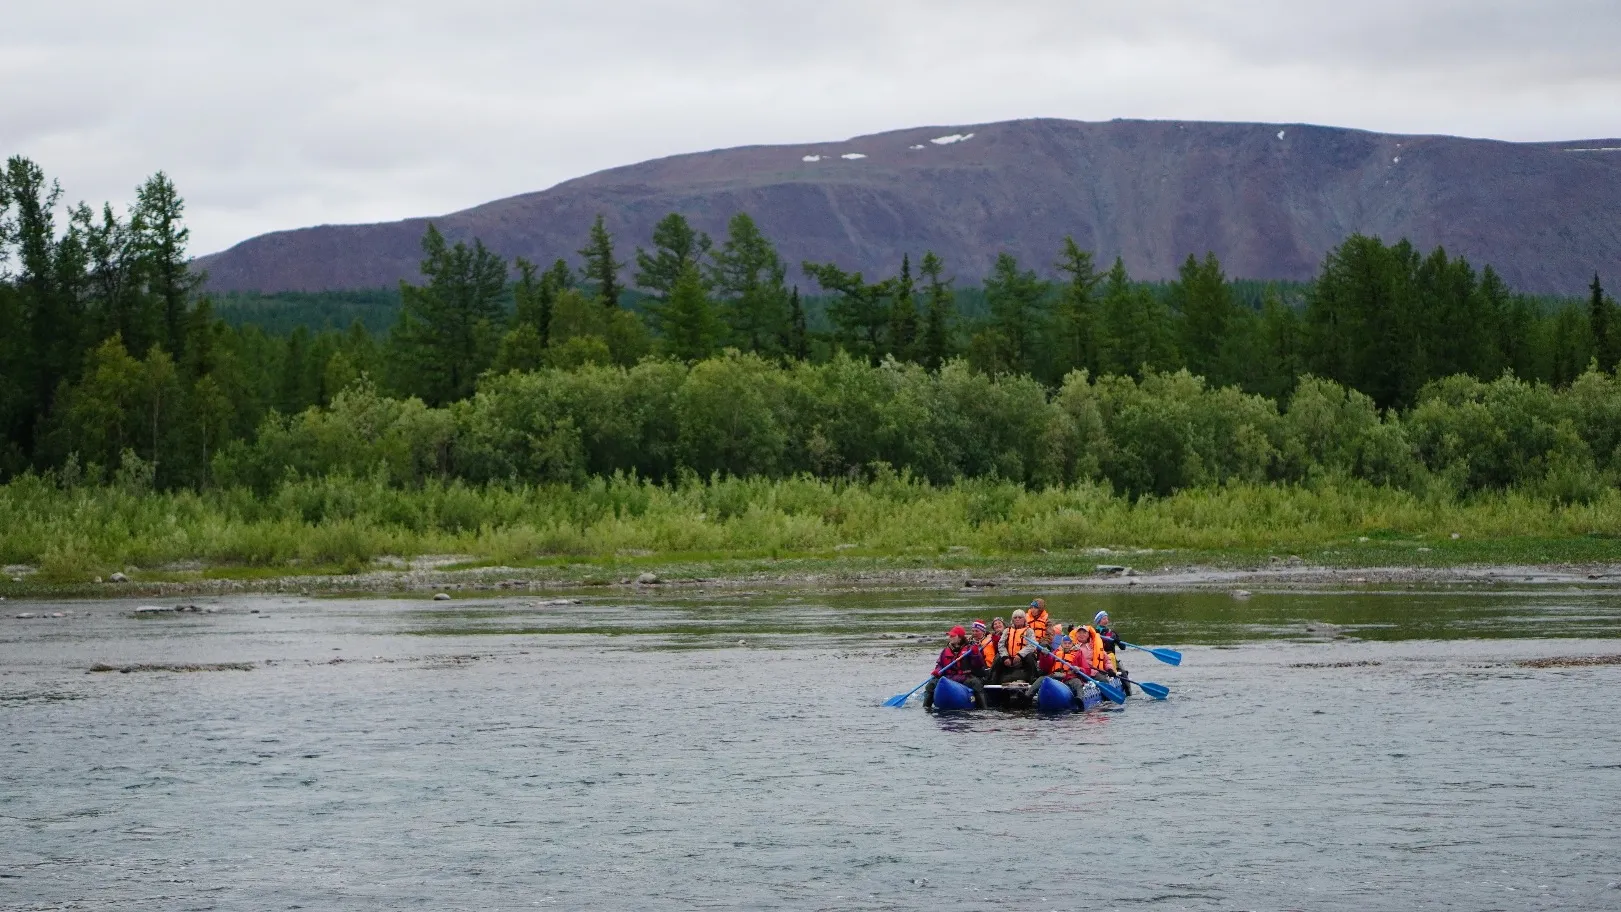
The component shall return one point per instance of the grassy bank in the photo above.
(72, 535)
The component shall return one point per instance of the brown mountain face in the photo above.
(1268, 199)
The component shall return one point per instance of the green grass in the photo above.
(611, 529)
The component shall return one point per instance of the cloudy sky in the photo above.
(285, 114)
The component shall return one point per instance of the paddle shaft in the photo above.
(1109, 690)
(941, 673)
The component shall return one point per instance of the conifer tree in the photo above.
(160, 235)
(532, 297)
(1601, 321)
(748, 277)
(859, 313)
(1077, 306)
(675, 244)
(797, 341)
(449, 327)
(691, 329)
(903, 328)
(1018, 303)
(601, 269)
(1200, 294)
(935, 346)
(1136, 327)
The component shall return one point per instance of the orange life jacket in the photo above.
(1088, 638)
(988, 647)
(1074, 656)
(1037, 619)
(1015, 640)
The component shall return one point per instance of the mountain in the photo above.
(1269, 199)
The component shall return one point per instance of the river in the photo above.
(729, 750)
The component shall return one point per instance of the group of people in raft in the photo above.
(1029, 648)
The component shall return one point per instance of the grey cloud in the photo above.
(301, 112)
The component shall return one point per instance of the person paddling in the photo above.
(1076, 655)
(962, 662)
(1110, 642)
(1016, 652)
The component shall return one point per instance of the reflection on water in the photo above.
(722, 750)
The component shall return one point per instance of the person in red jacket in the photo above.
(961, 661)
(1077, 657)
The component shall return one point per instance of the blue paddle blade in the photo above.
(1112, 692)
(897, 700)
(1157, 691)
(1168, 656)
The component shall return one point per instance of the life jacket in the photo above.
(1089, 639)
(957, 657)
(1110, 639)
(1015, 640)
(1037, 619)
(987, 647)
(1077, 657)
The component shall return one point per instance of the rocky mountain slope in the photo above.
(1269, 199)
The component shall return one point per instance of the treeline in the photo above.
(740, 415)
(112, 362)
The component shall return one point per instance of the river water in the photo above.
(1332, 750)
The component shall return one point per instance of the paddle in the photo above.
(1168, 656)
(900, 699)
(1157, 691)
(1109, 690)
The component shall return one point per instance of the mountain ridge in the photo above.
(1269, 199)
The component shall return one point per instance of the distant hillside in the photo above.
(1269, 199)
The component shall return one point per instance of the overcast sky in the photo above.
(292, 113)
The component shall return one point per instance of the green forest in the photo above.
(527, 405)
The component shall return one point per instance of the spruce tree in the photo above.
(1018, 302)
(1601, 320)
(601, 269)
(1200, 294)
(935, 346)
(161, 236)
(903, 322)
(675, 244)
(1136, 327)
(449, 326)
(691, 329)
(796, 343)
(748, 277)
(1077, 309)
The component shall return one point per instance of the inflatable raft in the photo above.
(1048, 697)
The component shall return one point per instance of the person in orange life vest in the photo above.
(1076, 655)
(986, 641)
(1111, 648)
(1036, 617)
(1016, 652)
(1091, 641)
(961, 661)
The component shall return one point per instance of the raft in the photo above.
(1050, 697)
(949, 696)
